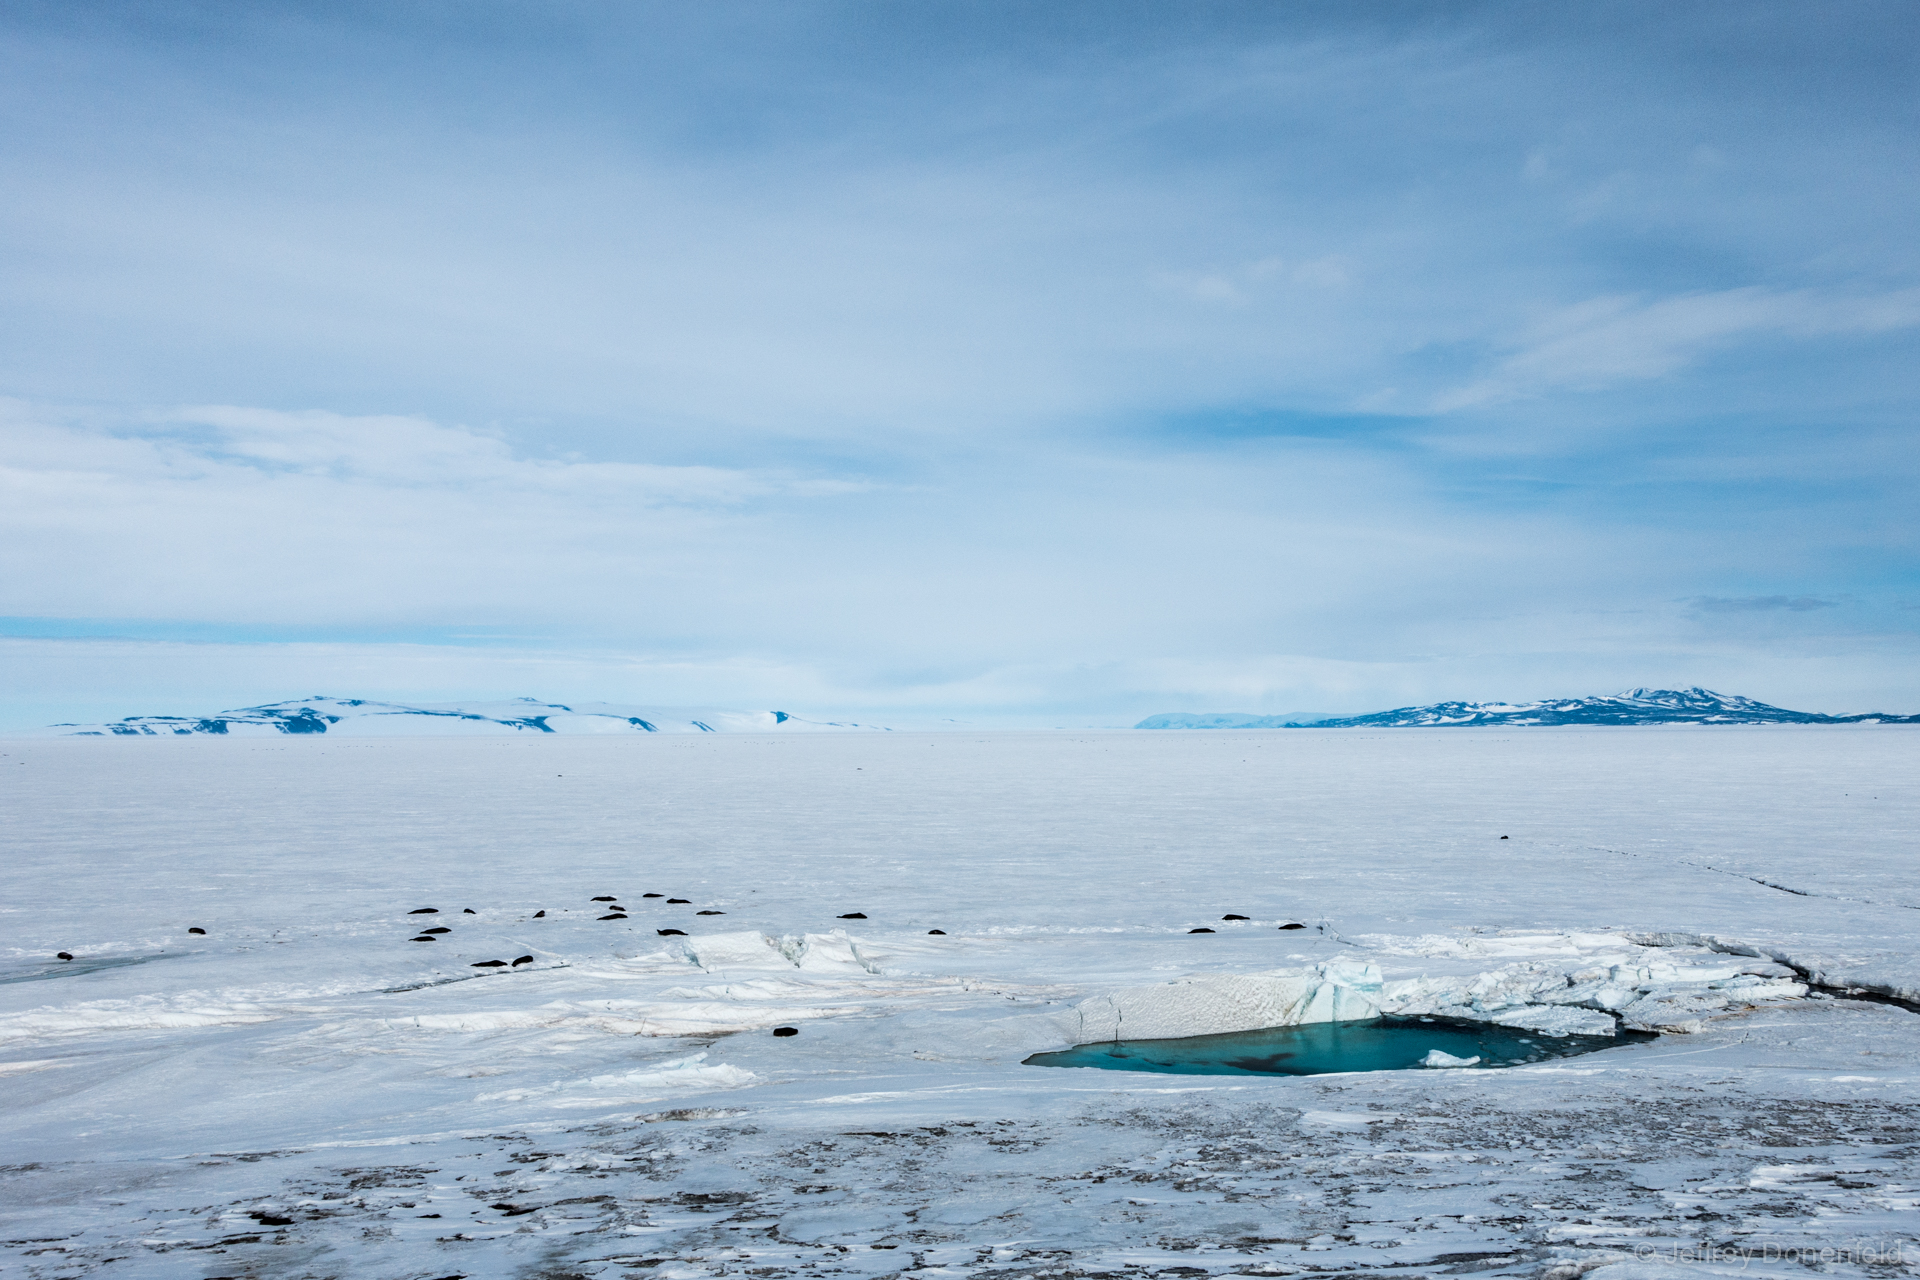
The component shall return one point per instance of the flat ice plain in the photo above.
(304, 1092)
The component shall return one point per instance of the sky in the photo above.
(977, 361)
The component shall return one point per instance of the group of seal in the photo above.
(433, 935)
(614, 912)
(1233, 916)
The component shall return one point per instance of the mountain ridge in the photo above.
(358, 717)
(1640, 706)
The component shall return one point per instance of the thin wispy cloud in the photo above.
(1764, 604)
(1606, 341)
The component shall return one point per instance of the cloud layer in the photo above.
(1098, 359)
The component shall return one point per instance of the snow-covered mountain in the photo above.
(360, 717)
(1232, 720)
(1635, 706)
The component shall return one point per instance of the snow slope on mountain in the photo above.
(1634, 707)
(303, 1090)
(357, 717)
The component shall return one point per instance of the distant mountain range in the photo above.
(1635, 706)
(1233, 720)
(359, 717)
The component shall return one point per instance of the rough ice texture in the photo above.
(1208, 1005)
(290, 1093)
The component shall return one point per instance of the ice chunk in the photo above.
(1557, 1020)
(1441, 1058)
(735, 950)
(1339, 991)
(1684, 1006)
(1596, 995)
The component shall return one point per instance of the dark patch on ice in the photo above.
(405, 987)
(1865, 995)
(514, 1211)
(72, 966)
(269, 1220)
(786, 1031)
(1769, 884)
(671, 933)
(853, 915)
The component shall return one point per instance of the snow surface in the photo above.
(290, 1093)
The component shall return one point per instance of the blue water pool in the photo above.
(1370, 1044)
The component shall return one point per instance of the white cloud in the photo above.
(411, 452)
(1301, 575)
(1263, 279)
(1608, 340)
(250, 516)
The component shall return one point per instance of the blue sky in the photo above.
(1013, 362)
